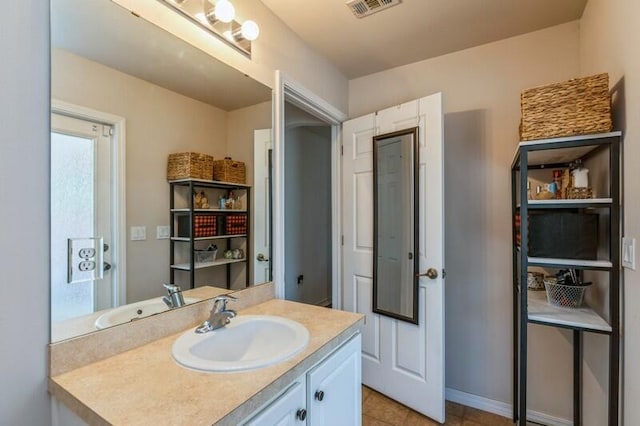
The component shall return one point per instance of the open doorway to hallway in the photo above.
(308, 208)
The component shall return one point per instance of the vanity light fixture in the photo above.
(219, 18)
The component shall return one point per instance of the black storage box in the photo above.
(564, 235)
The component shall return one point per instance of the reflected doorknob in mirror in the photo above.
(432, 273)
(261, 258)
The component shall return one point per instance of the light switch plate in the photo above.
(629, 253)
(138, 233)
(163, 232)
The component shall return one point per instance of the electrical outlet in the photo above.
(163, 232)
(87, 253)
(84, 255)
(87, 265)
(629, 253)
(138, 233)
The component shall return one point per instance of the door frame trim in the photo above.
(288, 89)
(119, 204)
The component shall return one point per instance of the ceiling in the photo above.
(106, 33)
(415, 29)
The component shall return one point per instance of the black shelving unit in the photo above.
(189, 211)
(552, 154)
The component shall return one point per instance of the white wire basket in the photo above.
(567, 296)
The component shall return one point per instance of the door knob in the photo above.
(260, 257)
(319, 395)
(432, 273)
(106, 266)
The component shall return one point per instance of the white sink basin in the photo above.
(247, 342)
(135, 311)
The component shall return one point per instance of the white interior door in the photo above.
(263, 147)
(81, 208)
(400, 359)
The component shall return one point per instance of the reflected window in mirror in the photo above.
(173, 98)
(395, 268)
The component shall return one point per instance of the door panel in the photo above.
(371, 330)
(81, 207)
(409, 366)
(338, 378)
(263, 146)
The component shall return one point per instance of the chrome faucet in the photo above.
(219, 316)
(174, 297)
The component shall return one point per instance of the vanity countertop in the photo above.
(145, 386)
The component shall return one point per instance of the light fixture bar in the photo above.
(203, 13)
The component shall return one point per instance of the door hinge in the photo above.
(341, 149)
(107, 131)
(342, 240)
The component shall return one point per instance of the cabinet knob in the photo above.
(301, 414)
(319, 395)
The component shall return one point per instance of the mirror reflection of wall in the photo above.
(173, 98)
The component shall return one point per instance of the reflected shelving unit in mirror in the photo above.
(580, 237)
(209, 230)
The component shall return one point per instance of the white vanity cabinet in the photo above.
(329, 394)
(334, 388)
(289, 409)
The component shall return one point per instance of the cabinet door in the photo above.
(334, 388)
(289, 409)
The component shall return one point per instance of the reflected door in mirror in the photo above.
(80, 217)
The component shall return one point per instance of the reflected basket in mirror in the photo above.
(229, 170)
(185, 165)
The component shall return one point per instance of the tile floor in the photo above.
(378, 410)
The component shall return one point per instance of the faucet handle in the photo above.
(172, 288)
(220, 302)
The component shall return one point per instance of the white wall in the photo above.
(609, 40)
(158, 122)
(24, 197)
(307, 196)
(481, 92)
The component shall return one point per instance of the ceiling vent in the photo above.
(362, 8)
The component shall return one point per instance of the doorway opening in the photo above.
(289, 93)
(308, 207)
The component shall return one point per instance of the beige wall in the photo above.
(609, 39)
(158, 122)
(24, 197)
(277, 48)
(481, 91)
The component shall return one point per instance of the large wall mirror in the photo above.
(125, 94)
(395, 268)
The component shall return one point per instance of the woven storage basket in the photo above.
(185, 165)
(228, 170)
(574, 107)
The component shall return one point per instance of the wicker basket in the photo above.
(574, 107)
(228, 170)
(572, 193)
(186, 165)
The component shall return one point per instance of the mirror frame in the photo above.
(413, 132)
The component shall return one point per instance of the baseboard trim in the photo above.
(501, 408)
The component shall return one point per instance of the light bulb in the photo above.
(225, 11)
(250, 30)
